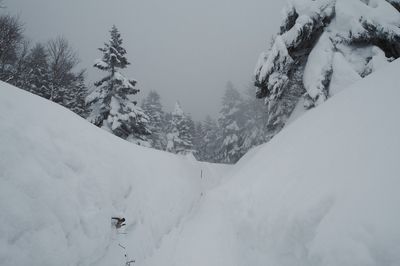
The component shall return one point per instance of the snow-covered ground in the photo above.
(324, 191)
(62, 179)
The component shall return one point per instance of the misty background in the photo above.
(185, 50)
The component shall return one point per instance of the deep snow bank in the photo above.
(324, 191)
(61, 180)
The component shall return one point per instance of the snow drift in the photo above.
(325, 191)
(62, 179)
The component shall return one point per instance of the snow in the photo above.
(277, 50)
(62, 179)
(124, 81)
(318, 67)
(101, 64)
(343, 76)
(377, 61)
(324, 191)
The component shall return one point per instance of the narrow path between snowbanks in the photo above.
(140, 239)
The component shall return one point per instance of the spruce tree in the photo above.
(256, 117)
(180, 138)
(231, 123)
(38, 70)
(19, 74)
(209, 144)
(76, 98)
(153, 109)
(198, 141)
(112, 107)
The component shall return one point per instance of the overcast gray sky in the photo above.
(185, 49)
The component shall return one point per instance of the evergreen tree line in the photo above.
(241, 125)
(45, 69)
(112, 106)
(48, 70)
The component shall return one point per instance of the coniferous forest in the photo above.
(51, 71)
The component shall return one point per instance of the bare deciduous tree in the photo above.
(62, 60)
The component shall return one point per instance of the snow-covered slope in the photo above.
(62, 179)
(325, 191)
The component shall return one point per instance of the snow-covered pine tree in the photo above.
(231, 123)
(323, 46)
(38, 72)
(198, 141)
(255, 126)
(191, 131)
(180, 139)
(153, 109)
(209, 145)
(75, 100)
(19, 75)
(111, 104)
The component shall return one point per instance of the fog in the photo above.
(185, 50)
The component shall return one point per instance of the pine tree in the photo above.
(19, 74)
(38, 72)
(180, 140)
(210, 135)
(191, 125)
(231, 123)
(256, 117)
(153, 109)
(198, 141)
(112, 107)
(75, 100)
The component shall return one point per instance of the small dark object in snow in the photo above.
(118, 222)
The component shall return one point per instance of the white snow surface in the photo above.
(62, 179)
(324, 191)
(319, 63)
(343, 74)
